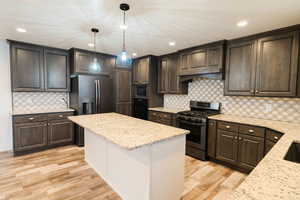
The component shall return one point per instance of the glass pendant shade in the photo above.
(124, 59)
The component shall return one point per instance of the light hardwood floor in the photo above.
(62, 174)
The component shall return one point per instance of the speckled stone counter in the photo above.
(167, 110)
(273, 178)
(41, 111)
(125, 131)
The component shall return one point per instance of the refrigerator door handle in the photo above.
(99, 97)
(96, 95)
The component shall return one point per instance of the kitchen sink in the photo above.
(293, 153)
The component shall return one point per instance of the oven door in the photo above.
(197, 136)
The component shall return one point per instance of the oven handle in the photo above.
(191, 123)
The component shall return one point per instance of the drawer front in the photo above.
(30, 118)
(252, 130)
(228, 126)
(273, 136)
(58, 116)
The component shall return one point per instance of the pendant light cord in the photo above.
(124, 15)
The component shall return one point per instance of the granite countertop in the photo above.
(168, 110)
(273, 178)
(125, 131)
(41, 111)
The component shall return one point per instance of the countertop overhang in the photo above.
(273, 178)
(127, 132)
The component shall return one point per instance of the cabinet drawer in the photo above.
(30, 118)
(252, 130)
(273, 135)
(58, 116)
(228, 126)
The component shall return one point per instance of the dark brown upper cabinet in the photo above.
(204, 59)
(263, 66)
(38, 68)
(277, 64)
(141, 71)
(123, 85)
(240, 68)
(57, 68)
(27, 67)
(88, 62)
(168, 78)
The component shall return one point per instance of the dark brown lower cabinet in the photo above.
(211, 138)
(250, 151)
(162, 117)
(227, 146)
(60, 132)
(33, 133)
(29, 136)
(124, 108)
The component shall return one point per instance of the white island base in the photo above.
(150, 172)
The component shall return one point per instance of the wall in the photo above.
(5, 100)
(282, 109)
(41, 101)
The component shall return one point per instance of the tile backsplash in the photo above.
(281, 109)
(30, 101)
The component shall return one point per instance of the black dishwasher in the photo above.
(140, 108)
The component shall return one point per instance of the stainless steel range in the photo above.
(195, 121)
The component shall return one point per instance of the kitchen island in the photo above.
(139, 159)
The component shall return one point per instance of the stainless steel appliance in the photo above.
(89, 95)
(195, 121)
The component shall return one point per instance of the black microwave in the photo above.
(141, 90)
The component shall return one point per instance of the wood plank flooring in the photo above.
(62, 174)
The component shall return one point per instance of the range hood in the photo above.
(212, 76)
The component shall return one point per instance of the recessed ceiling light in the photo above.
(21, 30)
(123, 26)
(242, 23)
(172, 43)
(91, 44)
(134, 54)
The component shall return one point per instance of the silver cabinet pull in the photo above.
(227, 126)
(60, 115)
(31, 118)
(275, 137)
(235, 137)
(251, 131)
(240, 138)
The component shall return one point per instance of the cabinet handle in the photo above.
(252, 91)
(31, 118)
(227, 126)
(256, 91)
(275, 137)
(251, 131)
(235, 137)
(60, 115)
(240, 138)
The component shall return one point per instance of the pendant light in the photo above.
(123, 58)
(95, 66)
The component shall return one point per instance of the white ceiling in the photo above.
(151, 24)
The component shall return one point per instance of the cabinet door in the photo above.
(184, 63)
(163, 76)
(60, 132)
(198, 59)
(56, 70)
(227, 146)
(143, 70)
(27, 68)
(124, 108)
(240, 68)
(83, 62)
(212, 138)
(30, 136)
(107, 64)
(173, 77)
(214, 57)
(135, 67)
(251, 151)
(277, 65)
(123, 85)
(268, 146)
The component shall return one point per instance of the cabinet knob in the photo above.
(235, 137)
(240, 138)
(60, 115)
(227, 126)
(31, 118)
(275, 137)
(251, 131)
(256, 91)
(252, 91)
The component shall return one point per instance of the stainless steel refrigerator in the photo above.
(90, 95)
